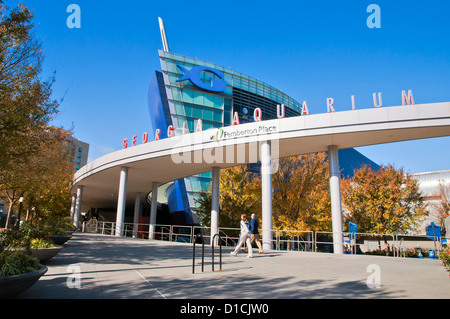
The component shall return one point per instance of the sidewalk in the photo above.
(125, 268)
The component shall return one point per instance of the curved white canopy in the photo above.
(159, 161)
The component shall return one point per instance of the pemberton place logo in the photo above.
(236, 132)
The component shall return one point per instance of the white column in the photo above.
(77, 213)
(266, 185)
(137, 211)
(335, 192)
(121, 201)
(153, 209)
(215, 203)
(72, 206)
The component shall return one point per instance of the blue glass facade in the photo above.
(176, 98)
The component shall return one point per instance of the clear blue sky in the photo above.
(310, 50)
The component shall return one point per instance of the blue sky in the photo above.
(310, 50)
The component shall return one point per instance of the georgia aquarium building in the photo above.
(187, 90)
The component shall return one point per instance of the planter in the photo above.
(59, 240)
(44, 254)
(12, 286)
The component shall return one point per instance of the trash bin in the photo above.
(431, 254)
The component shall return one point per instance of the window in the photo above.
(197, 112)
(208, 114)
(217, 116)
(176, 94)
(198, 97)
(189, 110)
(209, 100)
(218, 102)
(179, 109)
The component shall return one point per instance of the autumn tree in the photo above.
(383, 201)
(240, 193)
(53, 170)
(442, 204)
(44, 180)
(301, 197)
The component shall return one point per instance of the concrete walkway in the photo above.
(125, 268)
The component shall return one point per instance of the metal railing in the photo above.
(220, 251)
(203, 253)
(296, 240)
(395, 245)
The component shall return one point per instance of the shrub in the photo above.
(42, 243)
(57, 227)
(35, 231)
(17, 263)
(14, 238)
(445, 257)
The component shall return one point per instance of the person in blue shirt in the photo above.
(254, 233)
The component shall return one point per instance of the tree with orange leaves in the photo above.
(385, 201)
(301, 196)
(240, 193)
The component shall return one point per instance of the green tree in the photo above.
(26, 106)
(25, 100)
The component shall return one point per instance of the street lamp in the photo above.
(18, 212)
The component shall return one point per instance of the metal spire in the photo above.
(163, 35)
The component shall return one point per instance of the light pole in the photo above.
(18, 212)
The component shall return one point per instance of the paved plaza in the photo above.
(125, 268)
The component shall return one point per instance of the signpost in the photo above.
(433, 233)
(353, 229)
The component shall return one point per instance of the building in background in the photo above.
(435, 188)
(81, 152)
(80, 149)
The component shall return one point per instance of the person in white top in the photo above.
(244, 238)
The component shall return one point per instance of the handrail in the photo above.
(220, 251)
(400, 244)
(203, 252)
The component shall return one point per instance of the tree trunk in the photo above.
(11, 203)
(387, 245)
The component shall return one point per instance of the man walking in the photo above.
(254, 233)
(244, 237)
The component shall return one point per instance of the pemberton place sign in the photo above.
(222, 134)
